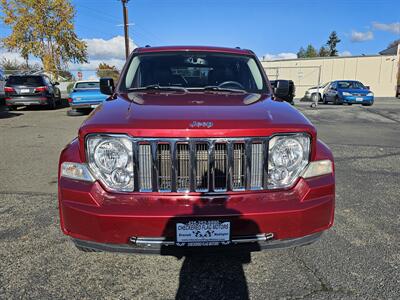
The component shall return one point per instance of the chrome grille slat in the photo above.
(164, 167)
(238, 166)
(183, 170)
(256, 176)
(202, 168)
(145, 168)
(199, 165)
(220, 167)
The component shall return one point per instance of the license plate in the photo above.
(94, 105)
(203, 233)
(359, 99)
(25, 91)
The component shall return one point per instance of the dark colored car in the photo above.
(2, 84)
(292, 90)
(193, 151)
(348, 91)
(25, 90)
(398, 91)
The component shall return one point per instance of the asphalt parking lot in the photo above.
(358, 258)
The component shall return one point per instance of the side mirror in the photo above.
(107, 86)
(56, 83)
(281, 88)
(367, 87)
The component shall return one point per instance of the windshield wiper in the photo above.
(158, 87)
(220, 89)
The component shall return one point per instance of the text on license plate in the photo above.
(25, 91)
(203, 233)
(359, 99)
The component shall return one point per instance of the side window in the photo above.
(47, 80)
(333, 86)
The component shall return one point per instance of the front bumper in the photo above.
(106, 220)
(358, 99)
(27, 100)
(163, 246)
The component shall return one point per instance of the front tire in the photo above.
(316, 97)
(324, 101)
(337, 101)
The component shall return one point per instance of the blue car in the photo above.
(85, 95)
(348, 91)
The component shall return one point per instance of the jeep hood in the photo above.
(195, 114)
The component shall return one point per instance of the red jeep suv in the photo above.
(194, 150)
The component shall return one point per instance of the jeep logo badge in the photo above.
(198, 124)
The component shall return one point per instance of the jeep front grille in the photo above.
(200, 165)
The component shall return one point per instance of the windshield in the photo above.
(87, 85)
(194, 71)
(344, 85)
(25, 80)
(324, 85)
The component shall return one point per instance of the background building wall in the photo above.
(380, 72)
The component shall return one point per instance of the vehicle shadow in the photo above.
(6, 114)
(211, 272)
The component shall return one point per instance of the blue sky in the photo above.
(272, 28)
(264, 26)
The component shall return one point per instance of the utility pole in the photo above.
(125, 12)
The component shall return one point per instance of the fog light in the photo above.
(279, 175)
(76, 171)
(120, 177)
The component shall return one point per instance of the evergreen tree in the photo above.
(301, 53)
(311, 51)
(332, 42)
(323, 52)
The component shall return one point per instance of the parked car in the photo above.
(348, 91)
(292, 90)
(85, 95)
(2, 84)
(192, 150)
(315, 93)
(398, 91)
(25, 90)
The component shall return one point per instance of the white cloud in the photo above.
(357, 36)
(111, 52)
(11, 56)
(283, 55)
(114, 48)
(391, 27)
(94, 63)
(345, 53)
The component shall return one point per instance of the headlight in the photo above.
(370, 94)
(288, 156)
(110, 160)
(346, 94)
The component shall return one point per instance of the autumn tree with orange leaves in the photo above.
(43, 29)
